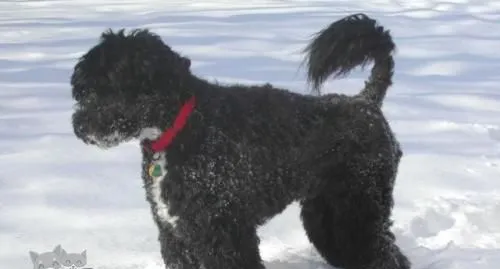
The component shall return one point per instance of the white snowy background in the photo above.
(444, 107)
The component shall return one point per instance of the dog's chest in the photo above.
(155, 173)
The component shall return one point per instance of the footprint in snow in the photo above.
(468, 220)
(431, 222)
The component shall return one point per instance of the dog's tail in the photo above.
(349, 42)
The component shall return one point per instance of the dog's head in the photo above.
(118, 82)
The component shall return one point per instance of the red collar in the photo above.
(168, 136)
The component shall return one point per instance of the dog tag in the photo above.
(155, 170)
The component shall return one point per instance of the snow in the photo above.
(443, 106)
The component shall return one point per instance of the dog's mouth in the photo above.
(77, 106)
(97, 128)
(105, 142)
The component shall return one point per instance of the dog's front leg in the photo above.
(175, 252)
(226, 242)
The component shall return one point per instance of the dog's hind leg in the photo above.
(349, 223)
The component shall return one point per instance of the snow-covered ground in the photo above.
(444, 107)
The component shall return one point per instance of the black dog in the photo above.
(218, 161)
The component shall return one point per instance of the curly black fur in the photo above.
(247, 152)
(352, 41)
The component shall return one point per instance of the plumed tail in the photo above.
(355, 40)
